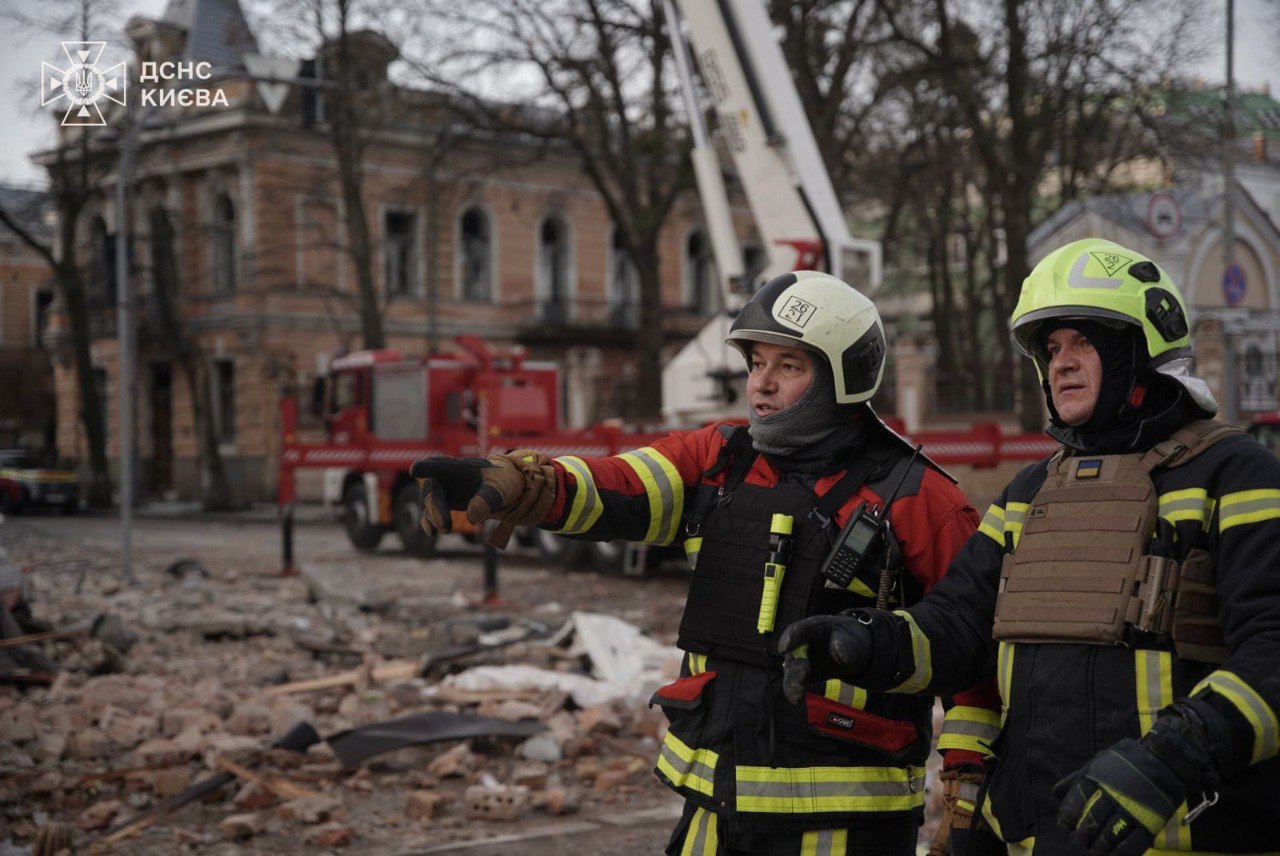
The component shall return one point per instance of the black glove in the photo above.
(1119, 801)
(446, 484)
(824, 646)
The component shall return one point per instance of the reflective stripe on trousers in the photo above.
(702, 838)
(809, 790)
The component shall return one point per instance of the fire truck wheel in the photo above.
(363, 534)
(557, 551)
(415, 541)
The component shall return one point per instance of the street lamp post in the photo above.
(1231, 392)
(127, 383)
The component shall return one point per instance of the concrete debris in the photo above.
(312, 809)
(216, 663)
(244, 825)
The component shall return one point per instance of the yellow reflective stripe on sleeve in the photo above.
(1004, 676)
(697, 663)
(702, 838)
(922, 659)
(662, 483)
(810, 790)
(586, 507)
(1014, 516)
(846, 694)
(1266, 729)
(1190, 504)
(694, 769)
(972, 729)
(1247, 506)
(992, 524)
(825, 842)
(1153, 678)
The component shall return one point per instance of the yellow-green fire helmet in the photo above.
(1100, 280)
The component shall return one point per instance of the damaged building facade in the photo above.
(483, 234)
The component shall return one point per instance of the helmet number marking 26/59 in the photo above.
(1109, 261)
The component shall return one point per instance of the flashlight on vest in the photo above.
(774, 569)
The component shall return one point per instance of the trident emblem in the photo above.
(82, 83)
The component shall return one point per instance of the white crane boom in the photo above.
(762, 125)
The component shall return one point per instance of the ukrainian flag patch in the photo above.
(1089, 468)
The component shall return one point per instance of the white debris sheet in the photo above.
(625, 664)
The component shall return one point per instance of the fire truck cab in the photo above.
(382, 411)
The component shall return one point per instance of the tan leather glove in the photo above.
(959, 793)
(516, 491)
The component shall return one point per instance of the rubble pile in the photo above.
(221, 664)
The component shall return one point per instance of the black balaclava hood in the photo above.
(1117, 349)
(1136, 407)
(814, 433)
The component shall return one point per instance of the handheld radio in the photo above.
(861, 535)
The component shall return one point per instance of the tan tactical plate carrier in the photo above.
(1081, 572)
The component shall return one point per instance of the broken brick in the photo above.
(241, 825)
(170, 781)
(499, 802)
(87, 744)
(457, 761)
(424, 805)
(330, 835)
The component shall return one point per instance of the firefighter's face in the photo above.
(1075, 375)
(779, 376)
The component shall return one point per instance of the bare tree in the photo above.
(76, 168)
(1051, 100)
(215, 489)
(596, 76)
(346, 55)
(832, 47)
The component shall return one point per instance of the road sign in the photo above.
(1233, 284)
(273, 74)
(1164, 216)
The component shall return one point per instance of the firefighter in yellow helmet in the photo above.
(759, 508)
(1129, 581)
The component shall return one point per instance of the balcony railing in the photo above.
(547, 317)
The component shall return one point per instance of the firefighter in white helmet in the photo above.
(762, 510)
(1130, 584)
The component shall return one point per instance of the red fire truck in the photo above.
(382, 411)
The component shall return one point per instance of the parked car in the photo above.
(29, 478)
(10, 495)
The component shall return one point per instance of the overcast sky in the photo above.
(25, 129)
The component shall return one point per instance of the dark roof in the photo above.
(217, 31)
(26, 206)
